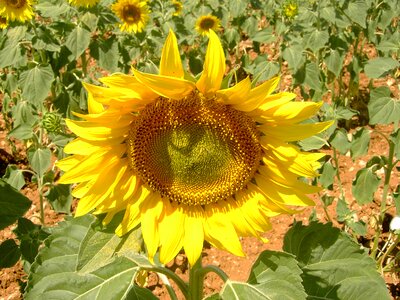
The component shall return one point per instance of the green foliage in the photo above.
(12, 203)
(91, 267)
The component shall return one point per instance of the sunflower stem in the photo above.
(171, 275)
(196, 277)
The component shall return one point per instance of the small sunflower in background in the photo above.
(83, 3)
(16, 10)
(177, 6)
(291, 9)
(187, 160)
(205, 23)
(3, 23)
(133, 14)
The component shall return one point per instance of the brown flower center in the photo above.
(16, 3)
(194, 151)
(131, 13)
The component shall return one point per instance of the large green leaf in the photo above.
(14, 177)
(78, 41)
(334, 62)
(36, 83)
(60, 197)
(54, 273)
(12, 204)
(294, 56)
(379, 67)
(357, 11)
(274, 275)
(383, 109)
(333, 265)
(317, 40)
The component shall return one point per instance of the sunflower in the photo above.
(3, 23)
(177, 6)
(16, 10)
(187, 160)
(205, 23)
(133, 13)
(85, 3)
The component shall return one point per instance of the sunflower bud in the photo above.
(52, 122)
(290, 9)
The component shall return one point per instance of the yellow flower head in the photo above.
(178, 7)
(205, 23)
(85, 3)
(16, 10)
(290, 9)
(187, 160)
(3, 23)
(133, 13)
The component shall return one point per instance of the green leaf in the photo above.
(52, 9)
(99, 247)
(357, 10)
(14, 177)
(344, 113)
(60, 198)
(333, 265)
(108, 54)
(53, 274)
(334, 62)
(360, 143)
(90, 20)
(264, 36)
(379, 67)
(395, 138)
(340, 141)
(36, 83)
(294, 56)
(31, 237)
(312, 76)
(21, 132)
(10, 253)
(317, 40)
(237, 7)
(78, 41)
(365, 185)
(232, 37)
(40, 160)
(12, 204)
(383, 109)
(328, 174)
(344, 214)
(13, 55)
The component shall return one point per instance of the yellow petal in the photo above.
(292, 112)
(168, 87)
(81, 189)
(214, 66)
(291, 133)
(86, 147)
(92, 131)
(219, 231)
(94, 107)
(257, 95)
(130, 86)
(90, 166)
(171, 64)
(287, 157)
(280, 194)
(69, 162)
(100, 191)
(151, 210)
(193, 233)
(171, 244)
(132, 216)
(236, 94)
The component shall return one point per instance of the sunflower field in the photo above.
(177, 149)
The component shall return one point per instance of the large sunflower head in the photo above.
(84, 3)
(206, 23)
(16, 10)
(189, 161)
(133, 14)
